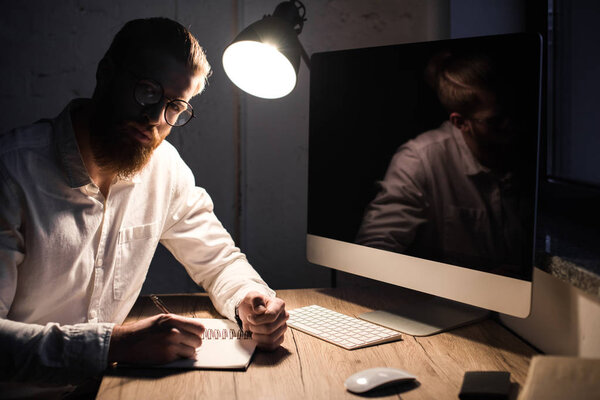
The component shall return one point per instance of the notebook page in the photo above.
(223, 347)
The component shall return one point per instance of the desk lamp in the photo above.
(264, 58)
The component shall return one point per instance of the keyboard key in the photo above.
(339, 329)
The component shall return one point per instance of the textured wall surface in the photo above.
(50, 53)
(275, 133)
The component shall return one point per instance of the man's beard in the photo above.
(113, 147)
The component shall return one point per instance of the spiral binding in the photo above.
(217, 334)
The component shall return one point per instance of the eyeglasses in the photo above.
(495, 122)
(148, 92)
(177, 112)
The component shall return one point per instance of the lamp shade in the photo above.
(264, 58)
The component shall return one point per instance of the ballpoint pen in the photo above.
(158, 303)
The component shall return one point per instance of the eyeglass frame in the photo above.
(494, 122)
(162, 95)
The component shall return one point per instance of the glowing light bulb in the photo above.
(259, 69)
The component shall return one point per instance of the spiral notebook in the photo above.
(224, 346)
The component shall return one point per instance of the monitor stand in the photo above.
(427, 315)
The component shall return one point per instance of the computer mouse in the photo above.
(372, 378)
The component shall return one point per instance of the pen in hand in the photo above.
(145, 342)
(159, 304)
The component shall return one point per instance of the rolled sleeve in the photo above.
(11, 241)
(51, 353)
(228, 288)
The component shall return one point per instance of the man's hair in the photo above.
(459, 79)
(168, 36)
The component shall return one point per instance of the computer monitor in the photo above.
(423, 171)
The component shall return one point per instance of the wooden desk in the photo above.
(309, 368)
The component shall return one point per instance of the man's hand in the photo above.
(156, 340)
(265, 317)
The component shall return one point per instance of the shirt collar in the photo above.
(470, 164)
(68, 150)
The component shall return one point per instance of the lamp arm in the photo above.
(304, 55)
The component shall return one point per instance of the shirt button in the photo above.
(93, 314)
(99, 262)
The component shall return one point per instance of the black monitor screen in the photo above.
(429, 149)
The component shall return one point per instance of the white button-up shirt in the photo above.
(72, 262)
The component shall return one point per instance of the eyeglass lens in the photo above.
(177, 112)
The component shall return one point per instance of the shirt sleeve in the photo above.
(392, 218)
(198, 240)
(12, 243)
(50, 354)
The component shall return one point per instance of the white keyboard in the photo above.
(339, 329)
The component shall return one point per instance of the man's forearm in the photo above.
(231, 284)
(52, 354)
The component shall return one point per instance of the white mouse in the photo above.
(368, 379)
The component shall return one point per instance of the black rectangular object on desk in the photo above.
(492, 385)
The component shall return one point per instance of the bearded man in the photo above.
(85, 198)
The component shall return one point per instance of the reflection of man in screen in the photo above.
(453, 194)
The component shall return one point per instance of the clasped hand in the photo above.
(265, 317)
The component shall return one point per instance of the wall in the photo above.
(491, 17)
(275, 135)
(50, 54)
(577, 84)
